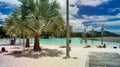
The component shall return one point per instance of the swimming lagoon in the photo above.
(74, 41)
(62, 41)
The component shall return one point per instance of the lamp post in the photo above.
(85, 36)
(68, 31)
(92, 34)
(102, 29)
(19, 38)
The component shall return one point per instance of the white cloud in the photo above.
(2, 17)
(100, 18)
(92, 3)
(89, 28)
(73, 1)
(113, 23)
(107, 23)
(97, 29)
(63, 7)
(96, 18)
(72, 10)
(110, 24)
(113, 10)
(77, 25)
(16, 2)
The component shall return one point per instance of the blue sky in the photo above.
(83, 13)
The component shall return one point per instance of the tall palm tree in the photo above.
(40, 13)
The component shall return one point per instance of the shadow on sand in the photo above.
(4, 44)
(33, 54)
(9, 45)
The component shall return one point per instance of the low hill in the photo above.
(106, 34)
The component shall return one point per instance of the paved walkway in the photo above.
(104, 59)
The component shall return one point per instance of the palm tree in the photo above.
(34, 17)
(13, 27)
(56, 27)
(41, 13)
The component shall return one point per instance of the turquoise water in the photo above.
(74, 41)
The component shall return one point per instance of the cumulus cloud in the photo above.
(115, 9)
(113, 23)
(77, 25)
(92, 3)
(95, 18)
(100, 18)
(108, 24)
(89, 28)
(15, 2)
(2, 17)
(97, 28)
(72, 9)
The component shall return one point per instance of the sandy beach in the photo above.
(52, 56)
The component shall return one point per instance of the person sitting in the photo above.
(12, 41)
(115, 47)
(3, 50)
(62, 46)
(87, 46)
(102, 46)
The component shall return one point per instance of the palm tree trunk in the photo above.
(36, 42)
(23, 42)
(27, 41)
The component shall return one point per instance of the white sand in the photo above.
(81, 53)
